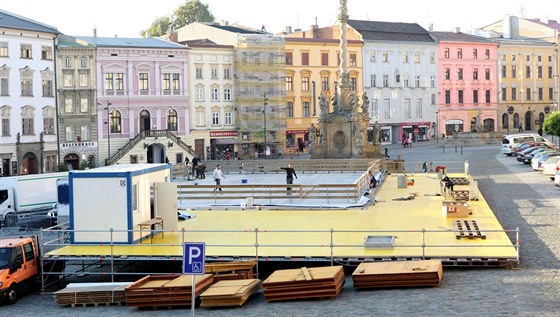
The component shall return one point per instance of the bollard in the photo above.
(416, 169)
(455, 148)
(461, 150)
(443, 147)
(431, 166)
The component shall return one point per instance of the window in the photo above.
(290, 109)
(504, 94)
(475, 96)
(407, 111)
(4, 87)
(459, 53)
(513, 57)
(172, 120)
(528, 57)
(143, 83)
(215, 118)
(417, 81)
(26, 51)
(84, 105)
(487, 73)
(47, 88)
(539, 58)
(198, 72)
(84, 133)
(475, 53)
(46, 53)
(539, 72)
(305, 84)
(487, 96)
(199, 94)
(68, 105)
(446, 52)
(119, 82)
(549, 58)
(549, 71)
(460, 96)
(289, 83)
(227, 74)
(405, 57)
(229, 118)
(200, 118)
(487, 53)
(305, 109)
(447, 75)
(353, 60)
(325, 83)
(433, 99)
(385, 56)
(418, 107)
(528, 94)
(513, 93)
(504, 71)
(541, 93)
(68, 80)
(387, 110)
(405, 80)
(372, 56)
(70, 134)
(83, 79)
(3, 49)
(109, 86)
(513, 71)
(27, 87)
(417, 57)
(5, 126)
(385, 80)
(475, 74)
(305, 59)
(83, 62)
(550, 93)
(460, 74)
(448, 97)
(115, 121)
(48, 125)
(214, 72)
(353, 83)
(166, 83)
(289, 58)
(432, 58)
(68, 62)
(227, 94)
(432, 81)
(527, 71)
(176, 80)
(215, 94)
(375, 109)
(325, 59)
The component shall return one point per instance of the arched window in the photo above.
(516, 121)
(172, 120)
(116, 126)
(505, 121)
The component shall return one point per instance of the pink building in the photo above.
(468, 83)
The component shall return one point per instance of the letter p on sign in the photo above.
(193, 258)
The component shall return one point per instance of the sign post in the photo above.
(193, 263)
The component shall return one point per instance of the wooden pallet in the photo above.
(229, 293)
(398, 274)
(459, 180)
(460, 194)
(91, 295)
(468, 229)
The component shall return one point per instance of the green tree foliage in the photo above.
(191, 11)
(551, 124)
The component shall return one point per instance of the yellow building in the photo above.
(312, 69)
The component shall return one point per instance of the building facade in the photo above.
(28, 140)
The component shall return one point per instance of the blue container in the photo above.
(244, 181)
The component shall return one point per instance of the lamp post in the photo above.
(108, 131)
(265, 101)
(437, 126)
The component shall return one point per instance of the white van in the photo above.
(511, 140)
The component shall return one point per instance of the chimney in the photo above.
(94, 32)
(456, 29)
(288, 30)
(507, 27)
(315, 31)
(431, 27)
(173, 37)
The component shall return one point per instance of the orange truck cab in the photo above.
(19, 266)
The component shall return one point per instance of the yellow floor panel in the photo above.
(306, 233)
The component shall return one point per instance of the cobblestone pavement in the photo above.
(519, 197)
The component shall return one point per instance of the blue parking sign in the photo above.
(193, 258)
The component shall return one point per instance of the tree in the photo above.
(551, 124)
(191, 11)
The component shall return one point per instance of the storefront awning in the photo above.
(226, 141)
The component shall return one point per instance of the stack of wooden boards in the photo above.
(318, 282)
(91, 294)
(398, 274)
(235, 270)
(165, 290)
(229, 293)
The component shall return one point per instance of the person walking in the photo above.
(218, 176)
(290, 173)
(195, 162)
(387, 153)
(425, 167)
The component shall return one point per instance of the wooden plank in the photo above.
(306, 274)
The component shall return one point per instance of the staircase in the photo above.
(146, 134)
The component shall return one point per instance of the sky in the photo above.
(126, 18)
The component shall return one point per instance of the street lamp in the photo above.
(108, 131)
(437, 126)
(265, 102)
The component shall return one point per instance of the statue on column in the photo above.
(358, 135)
(334, 101)
(353, 99)
(365, 102)
(323, 106)
(312, 134)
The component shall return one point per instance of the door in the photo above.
(145, 122)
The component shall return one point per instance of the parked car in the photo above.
(526, 155)
(512, 140)
(541, 157)
(550, 166)
(557, 178)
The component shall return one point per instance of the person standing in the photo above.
(387, 153)
(218, 176)
(290, 174)
(425, 167)
(195, 162)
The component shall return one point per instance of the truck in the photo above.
(26, 194)
(19, 266)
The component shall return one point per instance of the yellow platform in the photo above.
(419, 226)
